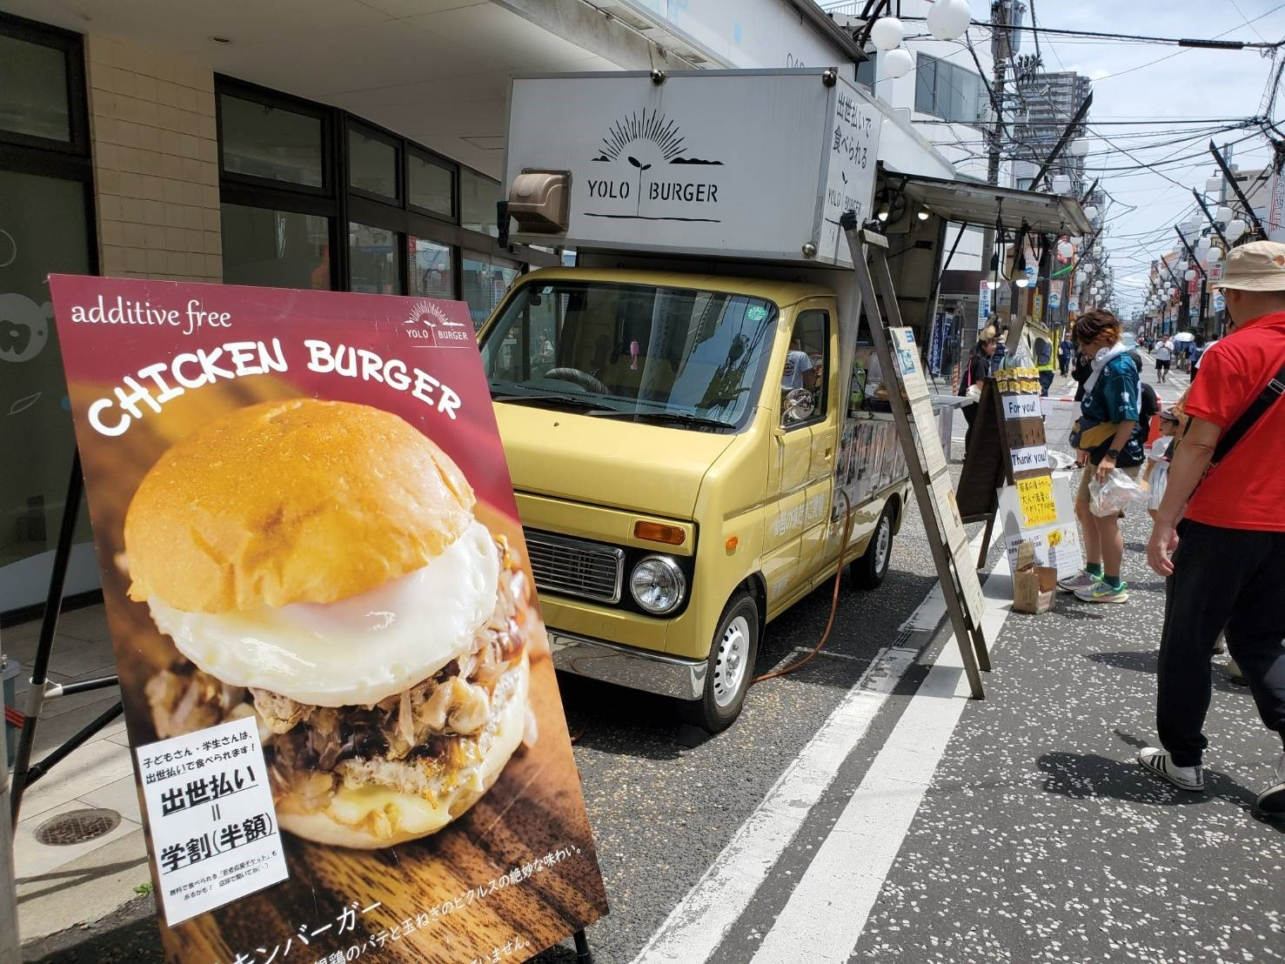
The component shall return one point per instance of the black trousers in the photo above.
(1232, 579)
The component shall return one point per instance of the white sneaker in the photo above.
(1270, 804)
(1080, 581)
(1191, 779)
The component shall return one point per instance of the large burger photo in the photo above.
(319, 565)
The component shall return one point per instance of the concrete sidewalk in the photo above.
(70, 884)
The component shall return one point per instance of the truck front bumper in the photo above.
(637, 669)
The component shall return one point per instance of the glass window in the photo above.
(949, 91)
(807, 363)
(276, 249)
(485, 284)
(33, 90)
(43, 230)
(925, 82)
(372, 164)
(866, 73)
(270, 142)
(690, 358)
(430, 269)
(372, 259)
(478, 197)
(431, 186)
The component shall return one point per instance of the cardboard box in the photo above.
(1033, 586)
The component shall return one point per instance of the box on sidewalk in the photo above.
(1033, 586)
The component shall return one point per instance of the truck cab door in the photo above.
(804, 447)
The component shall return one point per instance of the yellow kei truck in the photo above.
(689, 418)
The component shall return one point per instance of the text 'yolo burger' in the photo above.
(320, 566)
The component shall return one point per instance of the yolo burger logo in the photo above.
(647, 174)
(429, 325)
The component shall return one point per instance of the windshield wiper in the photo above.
(538, 398)
(681, 418)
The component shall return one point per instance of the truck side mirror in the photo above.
(798, 407)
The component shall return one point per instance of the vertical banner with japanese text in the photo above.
(337, 683)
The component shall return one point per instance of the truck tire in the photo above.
(730, 667)
(869, 571)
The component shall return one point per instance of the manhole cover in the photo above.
(77, 826)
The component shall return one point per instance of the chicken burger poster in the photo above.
(345, 720)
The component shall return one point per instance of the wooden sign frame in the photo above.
(929, 472)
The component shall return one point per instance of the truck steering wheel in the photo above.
(577, 377)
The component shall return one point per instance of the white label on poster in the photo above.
(1035, 457)
(1021, 406)
(214, 828)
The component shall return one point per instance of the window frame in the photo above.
(821, 412)
(72, 46)
(343, 204)
(278, 101)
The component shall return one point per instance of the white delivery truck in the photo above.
(688, 417)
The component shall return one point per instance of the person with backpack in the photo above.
(1108, 436)
(1219, 535)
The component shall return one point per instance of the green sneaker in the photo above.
(1103, 592)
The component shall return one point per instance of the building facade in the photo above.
(329, 144)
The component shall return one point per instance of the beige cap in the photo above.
(1257, 266)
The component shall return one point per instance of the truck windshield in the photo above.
(684, 357)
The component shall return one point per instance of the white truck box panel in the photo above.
(738, 164)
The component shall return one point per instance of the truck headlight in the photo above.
(658, 585)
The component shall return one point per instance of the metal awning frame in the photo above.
(988, 205)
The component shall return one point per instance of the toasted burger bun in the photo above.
(295, 501)
(373, 817)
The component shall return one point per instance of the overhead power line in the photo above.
(1212, 43)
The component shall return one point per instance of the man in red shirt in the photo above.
(1219, 538)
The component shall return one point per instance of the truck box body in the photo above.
(749, 165)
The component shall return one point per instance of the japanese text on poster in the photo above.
(214, 827)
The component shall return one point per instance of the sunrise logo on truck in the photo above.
(648, 174)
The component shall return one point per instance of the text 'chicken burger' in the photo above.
(320, 566)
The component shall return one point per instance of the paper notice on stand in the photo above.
(1036, 496)
(214, 827)
(1057, 542)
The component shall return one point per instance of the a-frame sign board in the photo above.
(929, 474)
(987, 466)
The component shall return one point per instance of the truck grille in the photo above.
(573, 567)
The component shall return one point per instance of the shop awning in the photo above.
(968, 202)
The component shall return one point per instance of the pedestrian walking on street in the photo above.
(1081, 372)
(978, 370)
(1163, 354)
(1108, 436)
(1065, 352)
(1157, 471)
(1219, 538)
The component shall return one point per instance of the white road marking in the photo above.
(696, 927)
(825, 915)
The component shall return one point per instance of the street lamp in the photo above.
(1091, 212)
(897, 63)
(1190, 275)
(1061, 184)
(887, 33)
(1079, 147)
(1214, 185)
(1235, 229)
(949, 19)
(1222, 215)
(1214, 255)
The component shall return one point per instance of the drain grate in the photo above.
(77, 827)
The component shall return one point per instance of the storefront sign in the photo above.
(1037, 312)
(346, 723)
(1220, 303)
(983, 304)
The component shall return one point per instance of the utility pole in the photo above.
(999, 54)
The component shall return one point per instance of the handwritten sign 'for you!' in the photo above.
(214, 828)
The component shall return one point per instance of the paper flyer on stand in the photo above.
(345, 719)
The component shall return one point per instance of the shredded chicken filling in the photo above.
(407, 741)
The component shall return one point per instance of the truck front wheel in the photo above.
(730, 667)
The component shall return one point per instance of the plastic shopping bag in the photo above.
(1116, 494)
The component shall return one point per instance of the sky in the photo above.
(1129, 85)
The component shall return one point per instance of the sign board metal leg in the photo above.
(965, 623)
